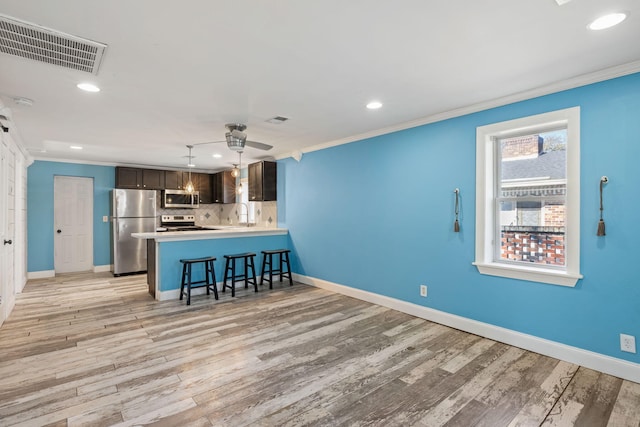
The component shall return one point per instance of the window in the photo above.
(528, 198)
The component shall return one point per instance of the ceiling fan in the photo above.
(236, 139)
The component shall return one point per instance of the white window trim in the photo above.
(485, 194)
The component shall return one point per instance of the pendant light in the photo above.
(235, 172)
(189, 187)
(239, 168)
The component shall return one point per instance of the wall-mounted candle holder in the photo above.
(456, 223)
(601, 228)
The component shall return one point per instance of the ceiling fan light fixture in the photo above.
(234, 143)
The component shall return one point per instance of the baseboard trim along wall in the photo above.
(102, 268)
(599, 362)
(42, 274)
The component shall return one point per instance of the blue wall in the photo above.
(377, 215)
(40, 229)
(170, 253)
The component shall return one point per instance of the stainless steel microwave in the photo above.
(180, 199)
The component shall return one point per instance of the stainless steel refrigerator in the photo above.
(134, 211)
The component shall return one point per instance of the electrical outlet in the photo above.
(628, 343)
(423, 290)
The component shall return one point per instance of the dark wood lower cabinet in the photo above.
(151, 266)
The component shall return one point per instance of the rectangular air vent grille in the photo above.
(41, 44)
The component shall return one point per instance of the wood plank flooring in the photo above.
(91, 349)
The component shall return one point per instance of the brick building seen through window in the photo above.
(531, 198)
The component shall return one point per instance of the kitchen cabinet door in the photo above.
(202, 182)
(152, 179)
(173, 180)
(262, 181)
(223, 187)
(128, 177)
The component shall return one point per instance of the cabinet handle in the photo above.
(58, 231)
(8, 242)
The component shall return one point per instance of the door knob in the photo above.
(58, 231)
(8, 242)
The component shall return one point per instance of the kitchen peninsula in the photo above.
(165, 249)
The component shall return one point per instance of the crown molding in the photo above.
(571, 83)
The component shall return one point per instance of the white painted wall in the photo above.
(13, 215)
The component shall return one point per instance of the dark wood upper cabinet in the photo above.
(128, 177)
(173, 180)
(223, 187)
(152, 179)
(263, 181)
(202, 183)
(155, 179)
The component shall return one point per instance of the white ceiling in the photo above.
(175, 72)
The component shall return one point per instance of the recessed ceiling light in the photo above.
(217, 156)
(607, 21)
(88, 87)
(75, 147)
(374, 105)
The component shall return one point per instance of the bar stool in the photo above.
(209, 277)
(230, 266)
(267, 260)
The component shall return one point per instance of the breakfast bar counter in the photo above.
(165, 249)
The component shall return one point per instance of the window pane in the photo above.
(532, 159)
(532, 232)
(531, 198)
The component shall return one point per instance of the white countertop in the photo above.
(217, 232)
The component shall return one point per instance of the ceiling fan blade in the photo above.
(258, 145)
(209, 142)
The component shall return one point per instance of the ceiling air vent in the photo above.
(42, 44)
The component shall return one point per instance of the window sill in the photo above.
(541, 275)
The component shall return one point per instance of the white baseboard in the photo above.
(43, 274)
(102, 268)
(599, 362)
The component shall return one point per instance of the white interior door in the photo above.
(7, 229)
(73, 224)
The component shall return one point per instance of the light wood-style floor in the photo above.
(91, 349)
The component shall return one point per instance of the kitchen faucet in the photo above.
(240, 215)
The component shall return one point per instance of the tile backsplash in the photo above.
(265, 214)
